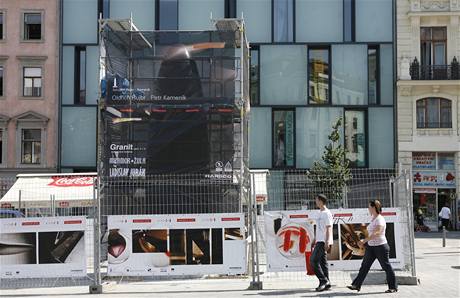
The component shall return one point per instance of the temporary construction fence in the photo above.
(187, 225)
(47, 231)
(287, 202)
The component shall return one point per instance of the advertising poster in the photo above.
(424, 160)
(290, 236)
(144, 245)
(31, 246)
(434, 179)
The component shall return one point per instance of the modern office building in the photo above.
(312, 61)
(429, 102)
(29, 72)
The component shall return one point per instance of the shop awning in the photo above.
(39, 191)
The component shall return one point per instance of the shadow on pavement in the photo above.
(278, 293)
(346, 294)
(434, 235)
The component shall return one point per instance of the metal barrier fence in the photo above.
(203, 194)
(32, 202)
(296, 190)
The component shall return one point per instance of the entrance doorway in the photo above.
(447, 196)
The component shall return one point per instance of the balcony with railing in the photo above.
(435, 72)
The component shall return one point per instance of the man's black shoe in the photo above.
(323, 287)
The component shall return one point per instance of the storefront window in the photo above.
(283, 138)
(446, 161)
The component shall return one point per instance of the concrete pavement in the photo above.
(438, 269)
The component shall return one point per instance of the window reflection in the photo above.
(283, 138)
(318, 83)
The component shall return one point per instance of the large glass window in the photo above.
(349, 74)
(283, 20)
(258, 19)
(433, 45)
(434, 113)
(374, 20)
(283, 73)
(32, 81)
(283, 138)
(143, 12)
(319, 20)
(372, 73)
(32, 26)
(318, 78)
(167, 15)
(349, 20)
(79, 20)
(80, 75)
(31, 146)
(355, 137)
(78, 146)
(381, 137)
(254, 87)
(260, 134)
(195, 15)
(313, 126)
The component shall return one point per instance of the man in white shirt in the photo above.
(445, 215)
(323, 238)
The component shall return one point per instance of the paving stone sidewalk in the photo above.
(438, 269)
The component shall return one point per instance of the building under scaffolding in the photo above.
(173, 125)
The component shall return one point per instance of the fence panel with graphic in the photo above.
(283, 204)
(173, 225)
(46, 231)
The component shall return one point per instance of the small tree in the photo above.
(331, 175)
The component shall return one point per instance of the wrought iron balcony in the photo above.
(435, 72)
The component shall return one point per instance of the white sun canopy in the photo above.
(41, 190)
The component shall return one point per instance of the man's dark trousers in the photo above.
(318, 261)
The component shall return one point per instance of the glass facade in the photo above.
(283, 75)
(355, 137)
(349, 73)
(167, 15)
(298, 88)
(258, 19)
(319, 20)
(318, 78)
(381, 137)
(283, 20)
(313, 125)
(260, 149)
(79, 21)
(78, 137)
(143, 12)
(283, 138)
(374, 20)
(196, 15)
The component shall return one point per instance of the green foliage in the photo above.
(331, 175)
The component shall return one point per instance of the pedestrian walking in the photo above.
(377, 247)
(444, 214)
(323, 238)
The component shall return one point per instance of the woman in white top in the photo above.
(376, 248)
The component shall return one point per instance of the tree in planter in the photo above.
(331, 175)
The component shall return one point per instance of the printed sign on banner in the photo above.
(290, 235)
(196, 244)
(33, 247)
